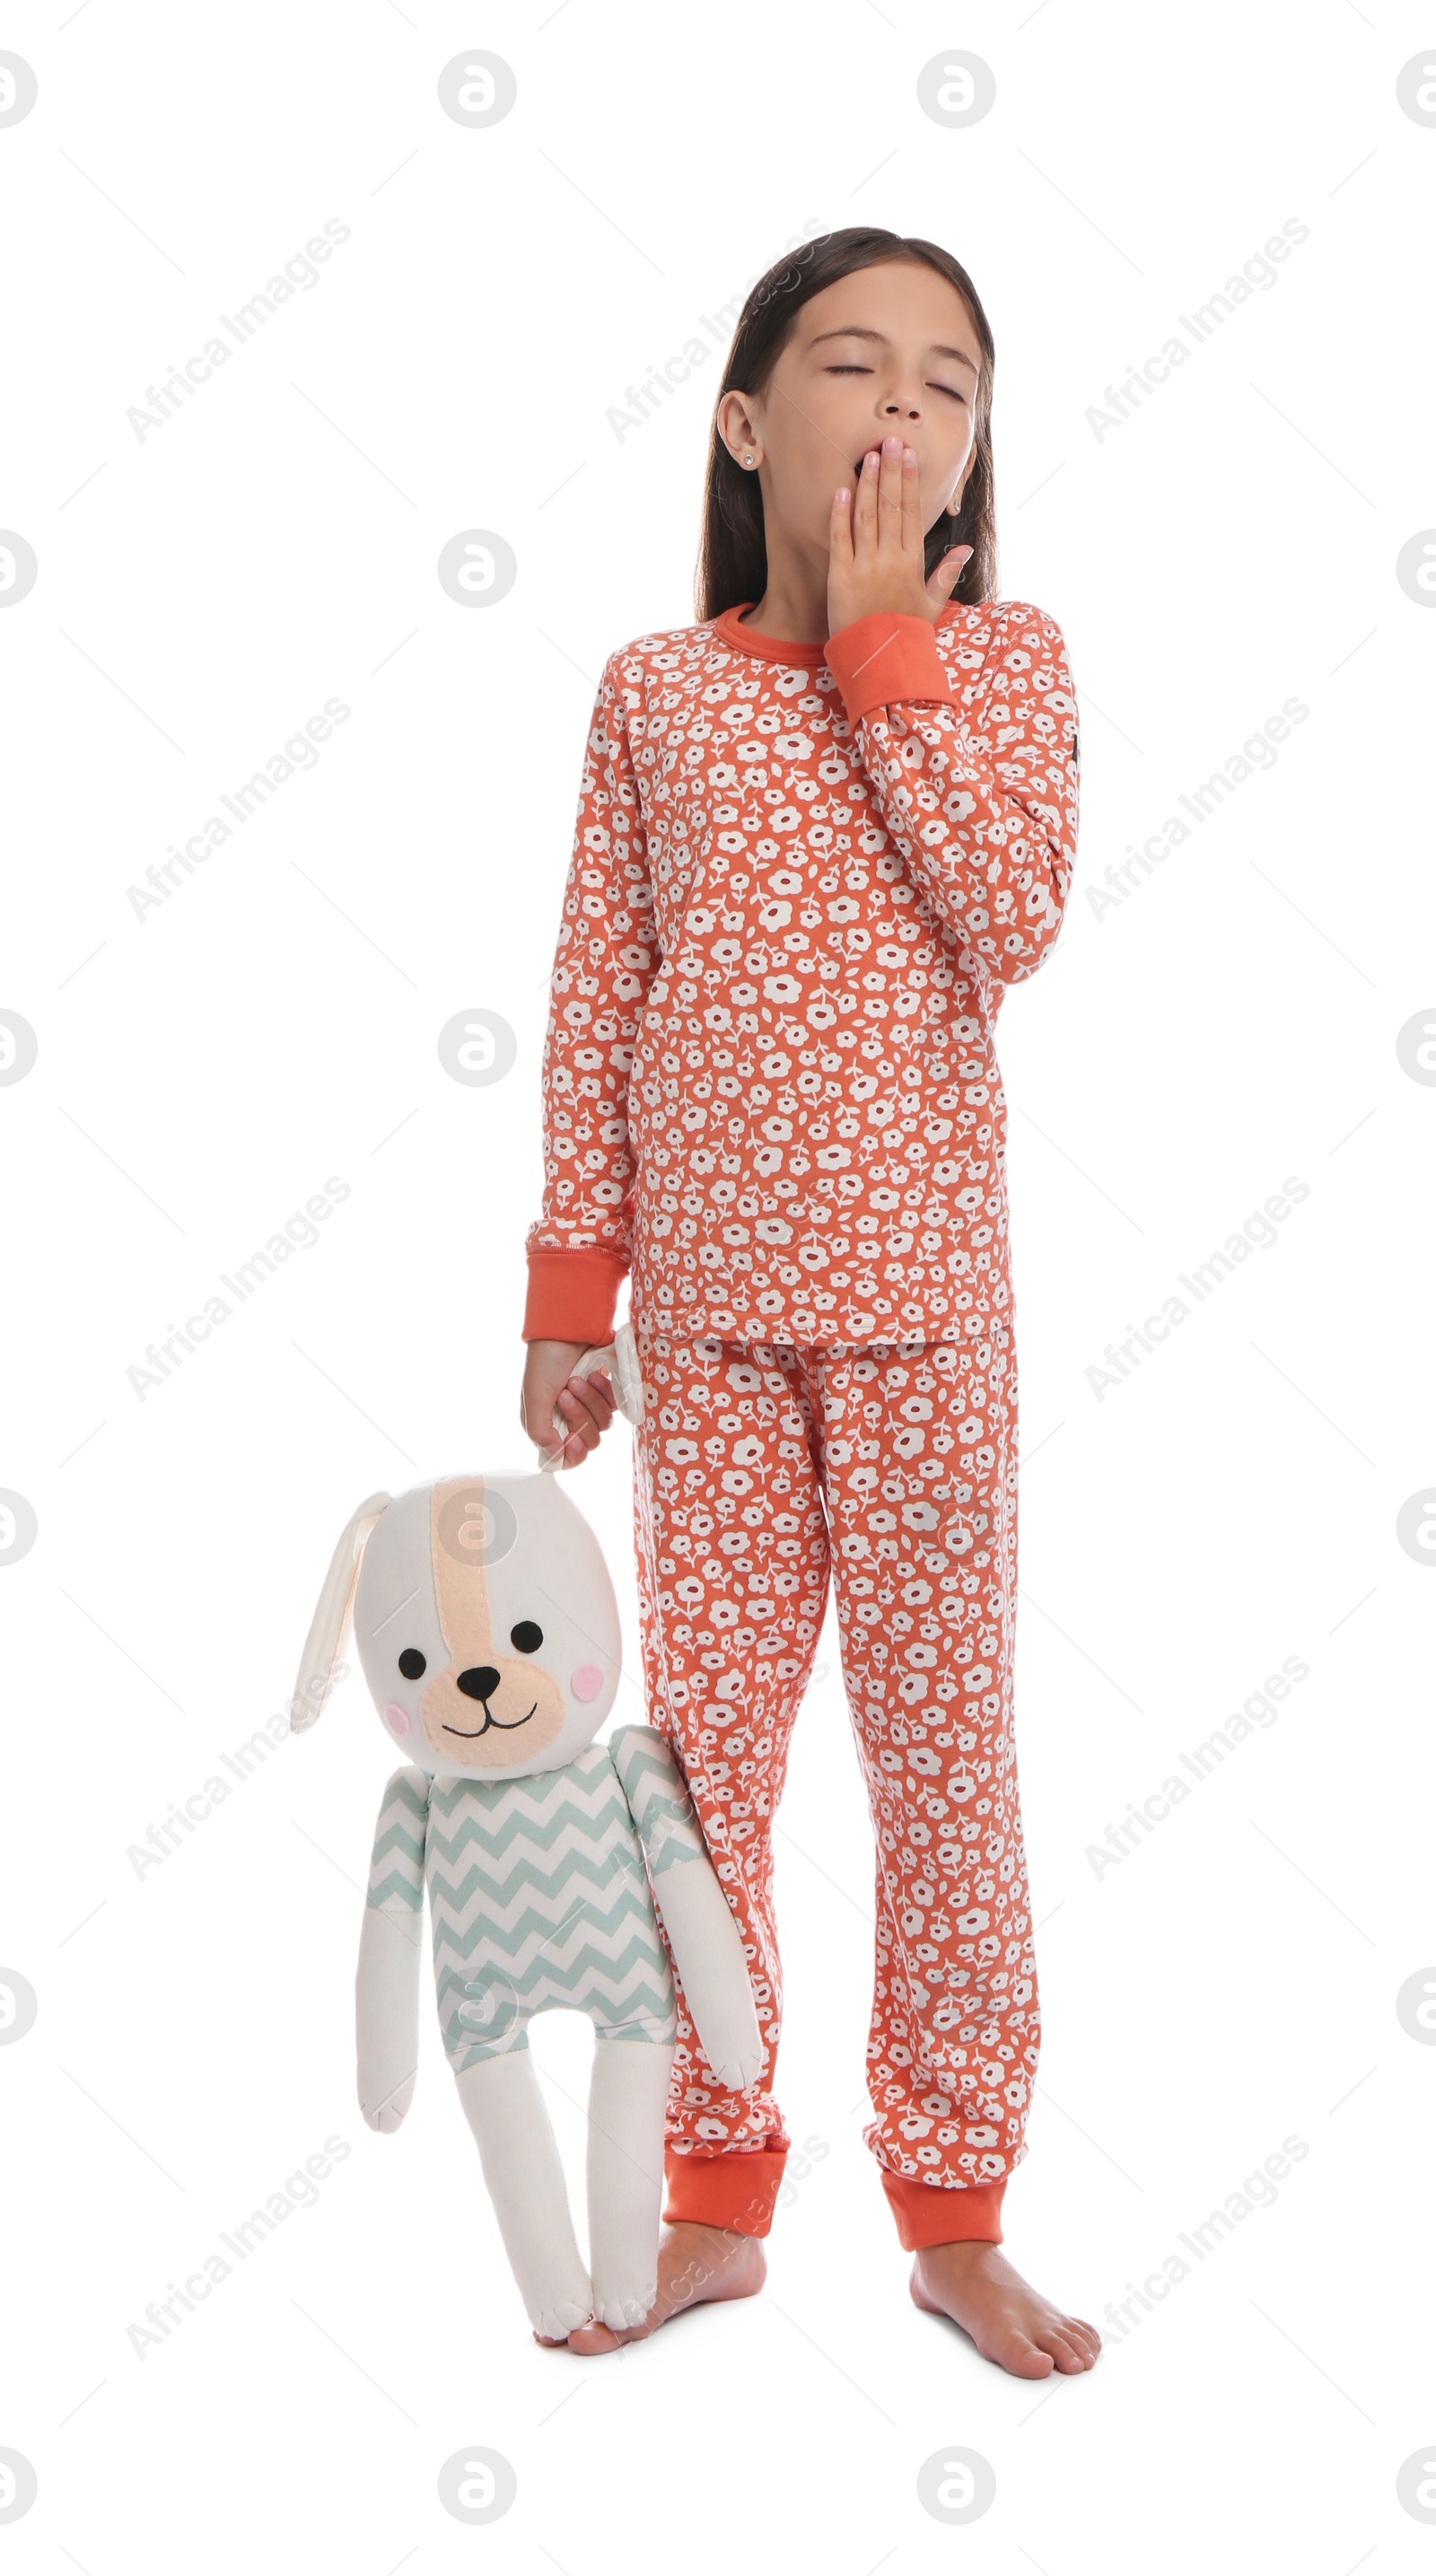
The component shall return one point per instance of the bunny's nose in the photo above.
(480, 1681)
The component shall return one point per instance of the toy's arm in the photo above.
(706, 1943)
(386, 1989)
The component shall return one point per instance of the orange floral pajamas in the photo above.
(759, 1470)
(803, 878)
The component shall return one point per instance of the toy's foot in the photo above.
(556, 2324)
(976, 2286)
(618, 2311)
(694, 2263)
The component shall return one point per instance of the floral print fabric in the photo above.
(759, 1471)
(770, 1083)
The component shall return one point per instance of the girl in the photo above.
(820, 832)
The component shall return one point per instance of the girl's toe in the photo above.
(594, 2337)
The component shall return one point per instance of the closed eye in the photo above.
(847, 369)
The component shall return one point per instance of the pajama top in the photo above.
(803, 876)
(538, 1896)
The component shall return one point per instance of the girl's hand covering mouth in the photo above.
(876, 543)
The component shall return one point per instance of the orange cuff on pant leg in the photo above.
(926, 2216)
(735, 2191)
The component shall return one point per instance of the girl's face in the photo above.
(887, 349)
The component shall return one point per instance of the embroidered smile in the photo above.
(505, 1726)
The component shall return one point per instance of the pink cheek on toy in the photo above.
(397, 1719)
(586, 1681)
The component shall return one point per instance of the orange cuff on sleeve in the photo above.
(572, 1297)
(927, 2216)
(881, 658)
(736, 2191)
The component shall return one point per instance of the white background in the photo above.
(201, 1071)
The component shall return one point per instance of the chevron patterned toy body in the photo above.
(489, 1637)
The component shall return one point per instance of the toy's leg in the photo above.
(519, 2153)
(625, 2174)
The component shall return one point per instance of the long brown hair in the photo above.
(733, 552)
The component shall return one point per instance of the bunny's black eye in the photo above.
(527, 1637)
(412, 1663)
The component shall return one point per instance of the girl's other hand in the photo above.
(875, 544)
(585, 1404)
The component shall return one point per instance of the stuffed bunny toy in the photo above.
(489, 1637)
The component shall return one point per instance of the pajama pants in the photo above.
(759, 1472)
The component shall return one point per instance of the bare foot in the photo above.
(1010, 2324)
(694, 2263)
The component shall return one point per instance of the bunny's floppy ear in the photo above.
(329, 1627)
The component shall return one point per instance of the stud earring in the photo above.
(747, 460)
